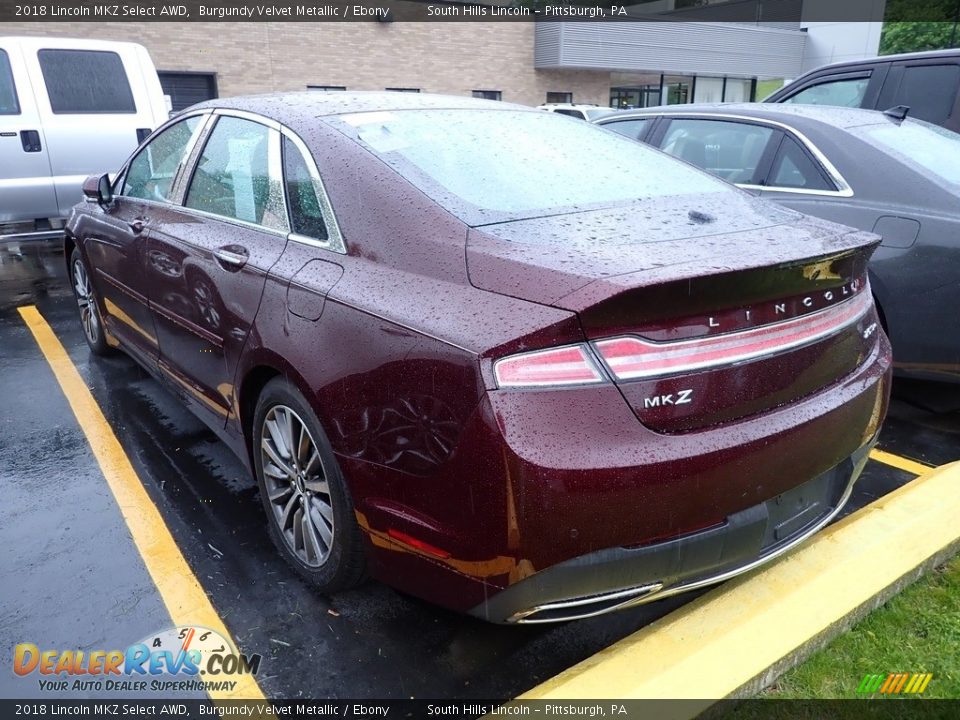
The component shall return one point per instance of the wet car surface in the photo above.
(83, 584)
(527, 385)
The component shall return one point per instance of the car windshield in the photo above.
(488, 166)
(927, 148)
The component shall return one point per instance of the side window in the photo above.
(729, 150)
(628, 128)
(9, 105)
(239, 174)
(841, 93)
(151, 173)
(86, 81)
(571, 113)
(793, 168)
(929, 91)
(303, 194)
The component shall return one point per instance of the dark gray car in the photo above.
(897, 178)
(926, 82)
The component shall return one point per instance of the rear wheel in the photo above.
(87, 303)
(309, 510)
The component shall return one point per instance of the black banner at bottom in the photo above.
(872, 709)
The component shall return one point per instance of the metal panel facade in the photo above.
(673, 47)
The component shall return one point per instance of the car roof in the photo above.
(840, 117)
(929, 54)
(310, 104)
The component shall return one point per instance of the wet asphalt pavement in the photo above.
(72, 577)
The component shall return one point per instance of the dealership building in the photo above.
(670, 59)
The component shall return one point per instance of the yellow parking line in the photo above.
(185, 599)
(737, 634)
(911, 466)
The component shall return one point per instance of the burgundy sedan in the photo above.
(495, 357)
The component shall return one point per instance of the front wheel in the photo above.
(309, 511)
(87, 302)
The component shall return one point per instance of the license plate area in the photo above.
(791, 513)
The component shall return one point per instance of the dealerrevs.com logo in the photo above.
(184, 659)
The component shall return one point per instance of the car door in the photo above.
(26, 184)
(115, 240)
(928, 87)
(734, 150)
(208, 259)
(94, 108)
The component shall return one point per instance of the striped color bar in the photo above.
(895, 683)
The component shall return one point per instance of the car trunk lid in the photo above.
(767, 308)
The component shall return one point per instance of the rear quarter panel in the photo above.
(392, 365)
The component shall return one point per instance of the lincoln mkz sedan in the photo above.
(498, 358)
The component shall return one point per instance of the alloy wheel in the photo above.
(84, 295)
(297, 486)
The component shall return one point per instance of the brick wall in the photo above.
(262, 57)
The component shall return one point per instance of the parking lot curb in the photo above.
(741, 636)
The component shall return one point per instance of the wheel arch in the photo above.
(261, 370)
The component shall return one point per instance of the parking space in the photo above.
(80, 580)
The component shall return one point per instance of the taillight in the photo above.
(631, 358)
(545, 368)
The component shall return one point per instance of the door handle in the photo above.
(30, 140)
(137, 225)
(232, 257)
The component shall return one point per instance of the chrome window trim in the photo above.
(843, 187)
(121, 176)
(199, 144)
(232, 221)
(252, 117)
(334, 241)
(794, 191)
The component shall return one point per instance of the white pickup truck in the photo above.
(68, 109)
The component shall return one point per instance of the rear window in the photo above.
(8, 91)
(926, 148)
(487, 166)
(86, 81)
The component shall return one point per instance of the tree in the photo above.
(916, 25)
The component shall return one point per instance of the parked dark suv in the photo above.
(925, 82)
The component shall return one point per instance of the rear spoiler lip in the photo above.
(583, 297)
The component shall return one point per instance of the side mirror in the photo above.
(96, 188)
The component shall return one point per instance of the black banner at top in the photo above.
(775, 13)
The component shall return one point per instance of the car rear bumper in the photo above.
(627, 516)
(618, 578)
(564, 497)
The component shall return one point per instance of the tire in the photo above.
(309, 511)
(90, 319)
